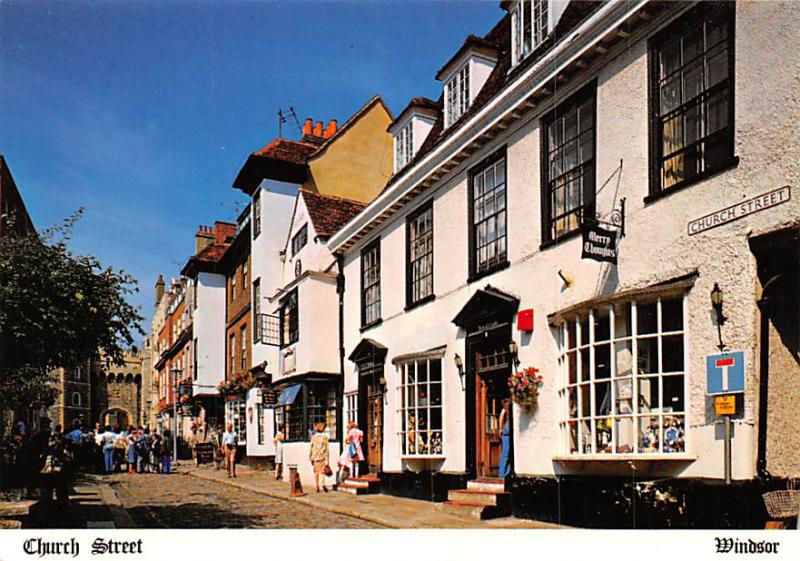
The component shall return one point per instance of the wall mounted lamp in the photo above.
(717, 301)
(460, 367)
(513, 351)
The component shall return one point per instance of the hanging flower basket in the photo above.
(524, 386)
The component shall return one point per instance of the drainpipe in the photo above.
(340, 389)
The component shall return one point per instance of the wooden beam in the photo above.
(600, 48)
(580, 63)
(645, 15)
(622, 33)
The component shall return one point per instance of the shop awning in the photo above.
(288, 395)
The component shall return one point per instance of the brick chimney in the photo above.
(224, 232)
(318, 129)
(308, 127)
(159, 289)
(330, 130)
(203, 238)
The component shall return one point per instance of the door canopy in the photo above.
(368, 350)
(486, 305)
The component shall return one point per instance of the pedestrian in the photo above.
(505, 439)
(278, 442)
(131, 441)
(142, 450)
(120, 445)
(319, 454)
(355, 436)
(229, 442)
(107, 438)
(55, 472)
(166, 452)
(216, 447)
(155, 451)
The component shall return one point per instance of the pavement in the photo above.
(382, 510)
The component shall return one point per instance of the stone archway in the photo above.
(116, 417)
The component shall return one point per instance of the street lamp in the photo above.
(460, 367)
(716, 303)
(175, 372)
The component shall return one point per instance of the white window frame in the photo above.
(457, 96)
(586, 342)
(351, 405)
(403, 146)
(524, 41)
(236, 414)
(403, 408)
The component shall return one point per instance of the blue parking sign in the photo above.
(725, 373)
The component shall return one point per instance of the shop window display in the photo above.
(420, 410)
(622, 371)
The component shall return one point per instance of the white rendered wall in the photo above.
(253, 447)
(208, 324)
(277, 200)
(656, 248)
(296, 454)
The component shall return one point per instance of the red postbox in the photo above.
(525, 320)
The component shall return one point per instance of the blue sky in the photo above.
(143, 112)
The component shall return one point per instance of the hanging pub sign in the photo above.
(599, 244)
(269, 397)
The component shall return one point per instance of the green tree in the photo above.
(57, 309)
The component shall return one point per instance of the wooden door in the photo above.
(491, 387)
(489, 405)
(374, 432)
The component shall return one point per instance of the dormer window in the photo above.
(404, 146)
(528, 27)
(457, 96)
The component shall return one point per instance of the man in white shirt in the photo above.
(229, 442)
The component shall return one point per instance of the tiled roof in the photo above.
(329, 213)
(207, 259)
(502, 74)
(471, 42)
(287, 151)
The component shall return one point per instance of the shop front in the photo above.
(369, 357)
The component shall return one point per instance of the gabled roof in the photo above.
(376, 99)
(423, 104)
(502, 74)
(205, 261)
(474, 43)
(328, 213)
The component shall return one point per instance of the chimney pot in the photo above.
(318, 129)
(330, 130)
(308, 127)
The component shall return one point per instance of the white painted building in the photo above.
(671, 112)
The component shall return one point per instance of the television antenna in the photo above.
(283, 117)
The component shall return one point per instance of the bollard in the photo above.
(295, 487)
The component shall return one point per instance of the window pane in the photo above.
(647, 349)
(623, 352)
(602, 329)
(646, 318)
(573, 402)
(622, 320)
(672, 349)
(624, 434)
(586, 400)
(584, 364)
(674, 434)
(602, 361)
(670, 58)
(624, 396)
(572, 367)
(672, 314)
(673, 393)
(602, 398)
(717, 67)
(648, 394)
(670, 94)
(649, 434)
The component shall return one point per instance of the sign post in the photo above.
(724, 379)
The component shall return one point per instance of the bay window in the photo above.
(456, 95)
(692, 115)
(623, 370)
(303, 405)
(290, 331)
(528, 27)
(421, 409)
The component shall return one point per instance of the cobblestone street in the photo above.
(182, 501)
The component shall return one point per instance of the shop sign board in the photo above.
(725, 373)
(204, 452)
(740, 210)
(725, 404)
(599, 244)
(269, 397)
